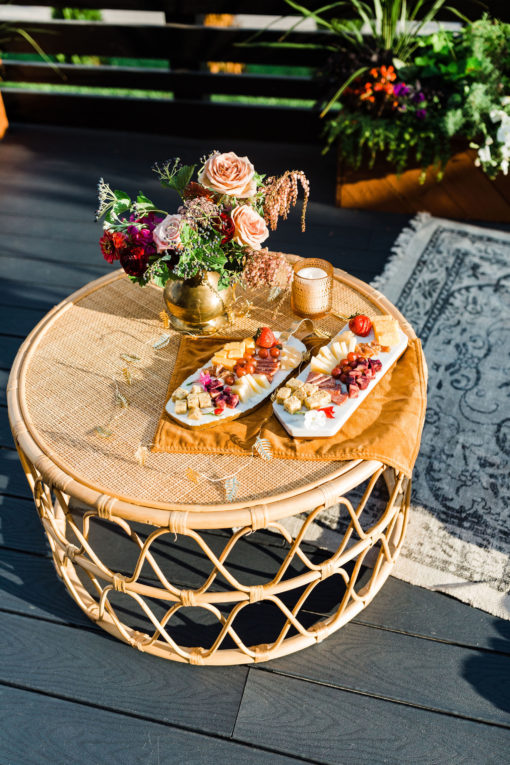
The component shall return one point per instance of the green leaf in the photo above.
(143, 204)
(122, 203)
(180, 179)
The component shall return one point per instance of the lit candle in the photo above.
(312, 287)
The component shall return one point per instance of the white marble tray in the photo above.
(294, 423)
(211, 419)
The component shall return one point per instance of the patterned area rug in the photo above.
(452, 282)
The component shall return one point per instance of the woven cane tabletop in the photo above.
(72, 365)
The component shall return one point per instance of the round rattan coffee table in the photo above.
(85, 394)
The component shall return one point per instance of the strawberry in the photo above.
(360, 324)
(264, 337)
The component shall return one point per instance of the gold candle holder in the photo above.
(312, 288)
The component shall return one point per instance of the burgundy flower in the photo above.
(134, 260)
(112, 243)
(150, 220)
(142, 236)
(226, 226)
(421, 114)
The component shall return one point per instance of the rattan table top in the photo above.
(71, 368)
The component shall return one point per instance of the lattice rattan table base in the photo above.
(93, 585)
(60, 387)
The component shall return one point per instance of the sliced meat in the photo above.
(316, 378)
(353, 391)
(266, 369)
(328, 384)
(337, 397)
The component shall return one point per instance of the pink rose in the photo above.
(250, 227)
(229, 174)
(167, 233)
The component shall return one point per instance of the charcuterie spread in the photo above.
(239, 377)
(324, 395)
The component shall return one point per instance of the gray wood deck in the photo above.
(417, 678)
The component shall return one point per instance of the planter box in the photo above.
(464, 193)
(4, 123)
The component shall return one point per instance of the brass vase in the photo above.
(196, 305)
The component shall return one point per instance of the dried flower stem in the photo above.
(280, 194)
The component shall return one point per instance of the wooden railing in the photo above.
(187, 104)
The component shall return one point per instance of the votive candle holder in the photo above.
(312, 288)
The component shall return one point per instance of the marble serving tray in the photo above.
(294, 423)
(209, 419)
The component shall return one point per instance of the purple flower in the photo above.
(418, 97)
(421, 114)
(141, 236)
(401, 89)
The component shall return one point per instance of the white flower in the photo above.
(505, 101)
(503, 134)
(314, 419)
(484, 153)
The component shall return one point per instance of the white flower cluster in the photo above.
(497, 155)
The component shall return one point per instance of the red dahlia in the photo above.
(226, 227)
(112, 243)
(134, 261)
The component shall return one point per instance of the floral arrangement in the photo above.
(389, 90)
(220, 225)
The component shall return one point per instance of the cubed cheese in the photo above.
(294, 383)
(193, 401)
(181, 407)
(179, 394)
(196, 389)
(292, 404)
(283, 394)
(318, 400)
(195, 414)
(310, 388)
(300, 393)
(204, 400)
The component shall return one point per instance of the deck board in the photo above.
(335, 726)
(40, 729)
(84, 666)
(415, 678)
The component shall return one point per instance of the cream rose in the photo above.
(250, 227)
(167, 233)
(229, 174)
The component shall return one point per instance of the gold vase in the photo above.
(196, 305)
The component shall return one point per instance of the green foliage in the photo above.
(364, 139)
(76, 14)
(173, 175)
(462, 79)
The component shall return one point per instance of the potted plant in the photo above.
(211, 242)
(7, 31)
(408, 110)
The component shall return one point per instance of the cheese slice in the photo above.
(338, 351)
(386, 330)
(320, 365)
(227, 363)
(345, 337)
